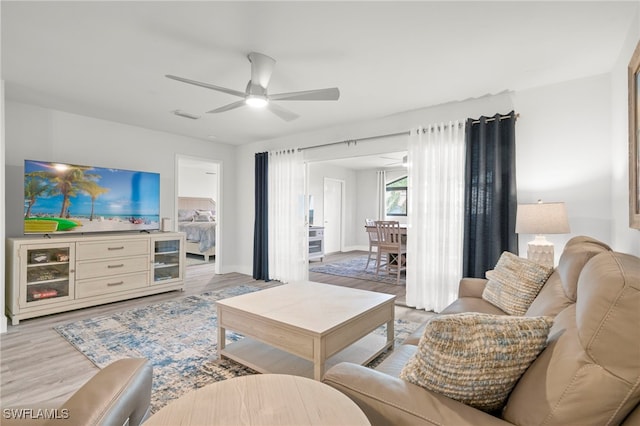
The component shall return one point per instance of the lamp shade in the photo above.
(542, 218)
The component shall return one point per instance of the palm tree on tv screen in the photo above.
(34, 187)
(93, 190)
(66, 182)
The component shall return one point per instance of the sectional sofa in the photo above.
(587, 373)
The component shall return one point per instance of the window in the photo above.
(396, 197)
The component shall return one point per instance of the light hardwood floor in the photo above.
(38, 368)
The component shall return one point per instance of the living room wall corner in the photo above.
(3, 318)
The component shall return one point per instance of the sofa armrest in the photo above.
(120, 391)
(118, 394)
(471, 287)
(387, 400)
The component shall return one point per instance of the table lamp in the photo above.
(541, 218)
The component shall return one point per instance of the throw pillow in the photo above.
(476, 358)
(514, 283)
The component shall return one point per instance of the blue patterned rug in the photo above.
(355, 268)
(178, 337)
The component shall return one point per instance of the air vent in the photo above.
(185, 114)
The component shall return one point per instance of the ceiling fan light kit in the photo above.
(256, 101)
(255, 94)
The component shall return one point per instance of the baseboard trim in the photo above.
(356, 248)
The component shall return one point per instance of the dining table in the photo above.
(403, 229)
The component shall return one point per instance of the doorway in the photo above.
(201, 178)
(333, 212)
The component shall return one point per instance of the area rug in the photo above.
(178, 337)
(355, 268)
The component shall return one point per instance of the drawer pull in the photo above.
(114, 284)
(115, 266)
(115, 248)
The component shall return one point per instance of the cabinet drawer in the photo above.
(109, 249)
(116, 266)
(101, 286)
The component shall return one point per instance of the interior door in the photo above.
(332, 212)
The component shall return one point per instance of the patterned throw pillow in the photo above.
(514, 283)
(476, 358)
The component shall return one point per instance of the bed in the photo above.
(197, 219)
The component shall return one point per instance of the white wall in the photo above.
(3, 318)
(199, 181)
(624, 238)
(367, 204)
(43, 134)
(563, 150)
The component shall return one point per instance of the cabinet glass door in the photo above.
(48, 274)
(166, 260)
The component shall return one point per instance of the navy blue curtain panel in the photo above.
(490, 193)
(261, 224)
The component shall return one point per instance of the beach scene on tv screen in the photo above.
(60, 198)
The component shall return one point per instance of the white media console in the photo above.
(51, 275)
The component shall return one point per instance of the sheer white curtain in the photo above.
(381, 192)
(436, 162)
(288, 232)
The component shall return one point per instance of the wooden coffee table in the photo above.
(303, 328)
(261, 399)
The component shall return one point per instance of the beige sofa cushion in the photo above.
(551, 300)
(476, 358)
(560, 289)
(572, 261)
(514, 283)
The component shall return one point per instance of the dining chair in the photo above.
(372, 231)
(390, 243)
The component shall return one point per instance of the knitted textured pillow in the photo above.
(514, 283)
(476, 358)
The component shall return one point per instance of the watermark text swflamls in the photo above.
(35, 413)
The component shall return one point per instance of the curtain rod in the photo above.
(463, 123)
(502, 117)
(389, 135)
(355, 141)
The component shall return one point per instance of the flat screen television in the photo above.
(68, 198)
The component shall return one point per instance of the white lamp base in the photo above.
(541, 251)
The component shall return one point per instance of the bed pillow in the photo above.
(207, 213)
(186, 215)
(514, 283)
(476, 358)
(203, 218)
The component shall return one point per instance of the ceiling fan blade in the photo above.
(261, 68)
(281, 112)
(228, 107)
(207, 85)
(330, 94)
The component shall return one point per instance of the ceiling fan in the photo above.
(256, 92)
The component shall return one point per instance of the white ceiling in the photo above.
(108, 59)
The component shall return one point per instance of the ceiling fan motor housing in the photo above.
(254, 89)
